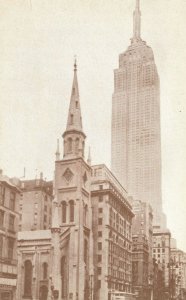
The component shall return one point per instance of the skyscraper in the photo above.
(136, 145)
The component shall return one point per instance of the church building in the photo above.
(87, 252)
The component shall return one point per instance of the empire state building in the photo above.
(136, 144)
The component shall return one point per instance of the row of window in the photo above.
(7, 243)
(28, 276)
(11, 221)
(119, 251)
(12, 197)
(64, 211)
(119, 207)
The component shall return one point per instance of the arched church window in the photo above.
(63, 277)
(71, 211)
(69, 145)
(83, 147)
(71, 119)
(77, 145)
(64, 211)
(45, 270)
(28, 278)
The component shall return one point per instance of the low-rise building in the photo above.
(177, 272)
(161, 252)
(140, 262)
(35, 205)
(142, 230)
(9, 218)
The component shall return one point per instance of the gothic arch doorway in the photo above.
(43, 292)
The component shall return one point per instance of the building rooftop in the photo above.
(34, 235)
(102, 173)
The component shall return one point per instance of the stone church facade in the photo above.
(65, 261)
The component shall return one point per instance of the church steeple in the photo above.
(74, 136)
(74, 121)
(137, 22)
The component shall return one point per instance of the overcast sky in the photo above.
(38, 41)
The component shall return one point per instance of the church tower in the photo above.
(72, 191)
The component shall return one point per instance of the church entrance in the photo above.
(43, 293)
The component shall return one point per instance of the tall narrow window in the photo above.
(11, 222)
(45, 270)
(12, 200)
(69, 145)
(1, 219)
(63, 277)
(77, 144)
(71, 119)
(2, 195)
(28, 279)
(10, 248)
(71, 203)
(64, 211)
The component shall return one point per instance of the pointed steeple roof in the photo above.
(137, 22)
(74, 121)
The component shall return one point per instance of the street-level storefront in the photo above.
(7, 288)
(116, 295)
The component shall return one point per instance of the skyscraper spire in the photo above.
(137, 22)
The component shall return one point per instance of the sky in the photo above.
(38, 41)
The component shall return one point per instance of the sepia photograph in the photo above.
(92, 150)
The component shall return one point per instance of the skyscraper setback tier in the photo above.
(136, 146)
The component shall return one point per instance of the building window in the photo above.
(99, 246)
(12, 200)
(71, 119)
(100, 186)
(10, 248)
(99, 271)
(63, 277)
(99, 284)
(45, 218)
(100, 210)
(100, 198)
(100, 233)
(69, 145)
(64, 210)
(28, 279)
(45, 208)
(1, 219)
(2, 196)
(85, 214)
(45, 270)
(77, 145)
(100, 221)
(71, 217)
(11, 222)
(99, 258)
